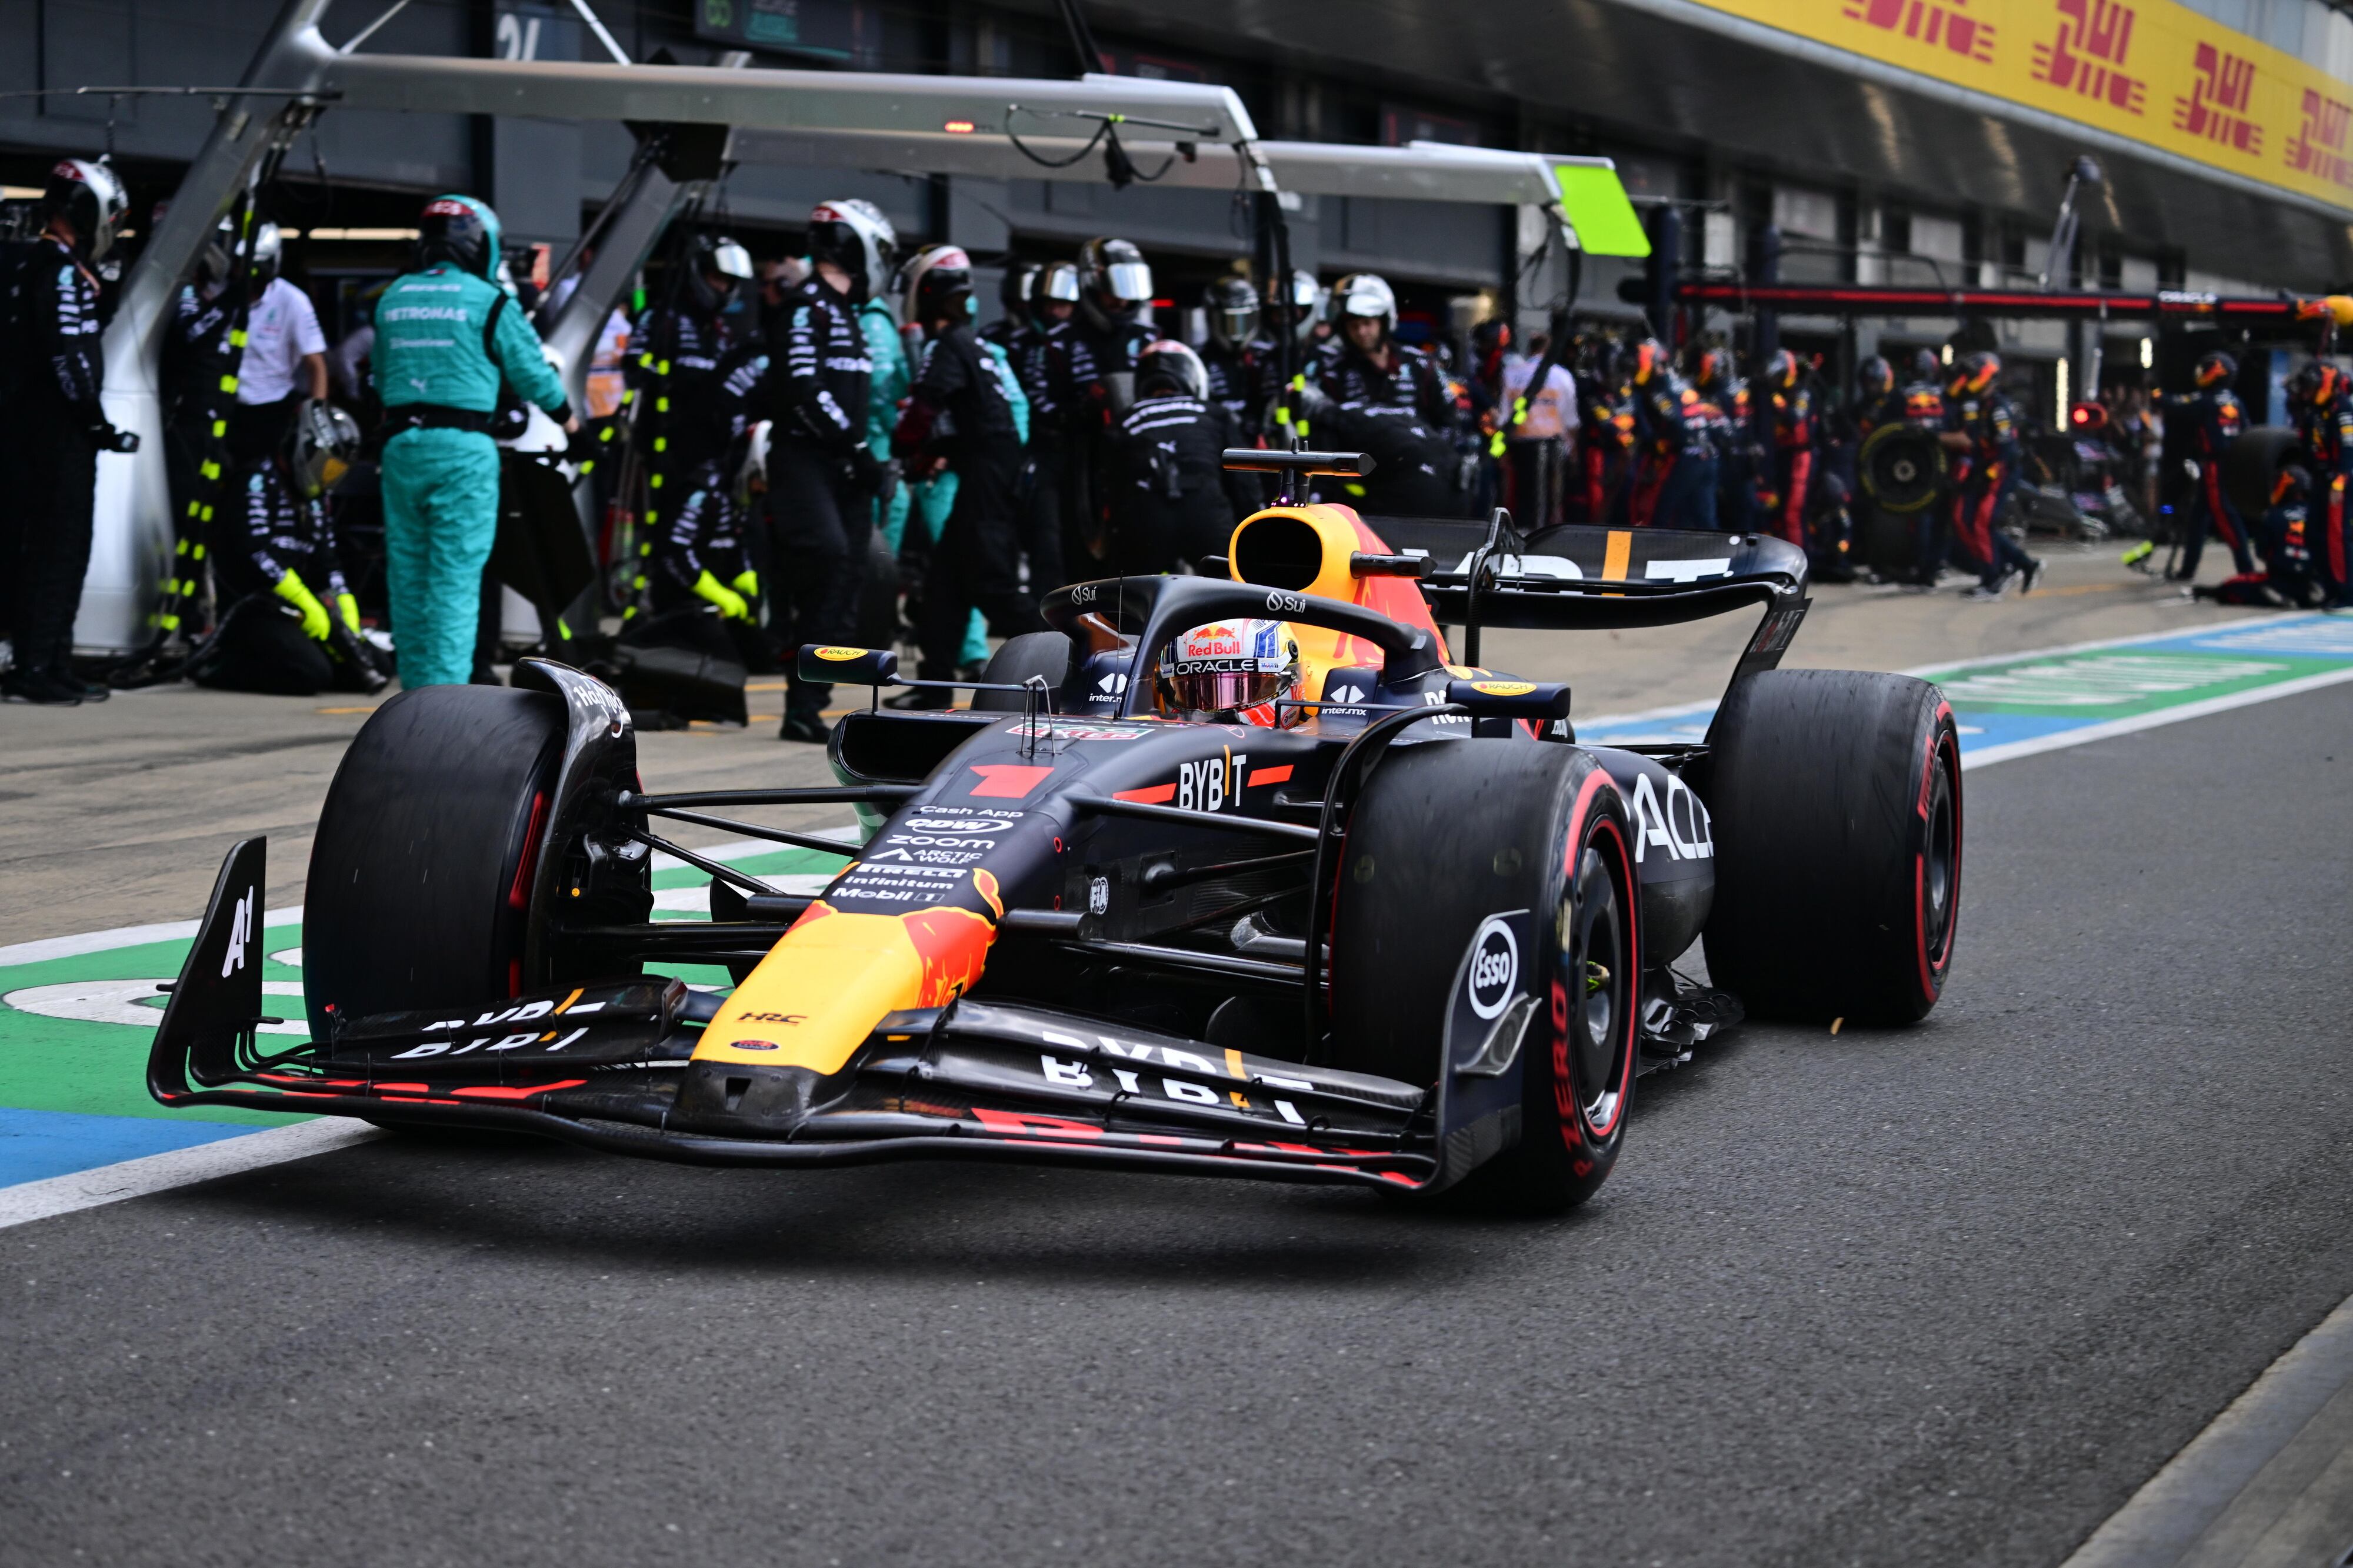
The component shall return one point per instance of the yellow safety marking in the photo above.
(1619, 553)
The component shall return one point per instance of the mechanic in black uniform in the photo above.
(1013, 299)
(709, 550)
(1172, 500)
(958, 417)
(200, 362)
(1098, 378)
(1924, 409)
(822, 473)
(1042, 362)
(1386, 398)
(1237, 359)
(55, 427)
(289, 625)
(675, 372)
(2214, 419)
(1976, 409)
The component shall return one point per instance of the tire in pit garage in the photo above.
(1836, 796)
(1046, 654)
(421, 872)
(1448, 838)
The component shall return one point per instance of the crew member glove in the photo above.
(865, 469)
(730, 602)
(747, 583)
(316, 624)
(350, 606)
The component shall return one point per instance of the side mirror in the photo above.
(1494, 699)
(822, 664)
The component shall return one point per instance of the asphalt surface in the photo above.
(1947, 1295)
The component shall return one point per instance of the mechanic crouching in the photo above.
(290, 626)
(446, 337)
(959, 419)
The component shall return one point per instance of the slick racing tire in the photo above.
(878, 596)
(1837, 800)
(1502, 870)
(421, 872)
(1031, 653)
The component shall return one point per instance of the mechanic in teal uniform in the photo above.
(447, 336)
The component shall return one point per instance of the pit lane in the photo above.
(1948, 1295)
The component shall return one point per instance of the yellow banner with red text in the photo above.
(2152, 70)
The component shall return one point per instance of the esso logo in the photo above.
(1503, 687)
(1494, 966)
(1286, 604)
(959, 823)
(840, 655)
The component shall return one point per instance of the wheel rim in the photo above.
(1940, 855)
(1596, 976)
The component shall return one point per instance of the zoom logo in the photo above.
(1493, 971)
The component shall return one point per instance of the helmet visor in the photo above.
(1203, 689)
(1128, 281)
(1235, 323)
(1059, 282)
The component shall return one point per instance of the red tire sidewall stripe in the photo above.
(1574, 1129)
(1932, 967)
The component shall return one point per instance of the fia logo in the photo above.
(1098, 894)
(241, 933)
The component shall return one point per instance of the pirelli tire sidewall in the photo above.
(1045, 654)
(1837, 801)
(421, 872)
(1448, 835)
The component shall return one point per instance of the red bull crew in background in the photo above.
(2216, 420)
(446, 337)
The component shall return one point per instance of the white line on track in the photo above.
(106, 1183)
(29, 1201)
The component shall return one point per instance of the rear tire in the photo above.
(420, 874)
(1031, 653)
(1837, 800)
(1447, 835)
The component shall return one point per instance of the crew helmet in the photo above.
(2217, 369)
(716, 255)
(1307, 297)
(1114, 281)
(2317, 384)
(1168, 368)
(937, 282)
(461, 231)
(1229, 667)
(1782, 369)
(1977, 372)
(1057, 281)
(1013, 290)
(1231, 306)
(213, 260)
(853, 235)
(1643, 360)
(325, 441)
(89, 195)
(1365, 296)
(269, 254)
(1874, 376)
(1711, 369)
(1929, 366)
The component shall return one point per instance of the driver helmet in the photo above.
(89, 195)
(853, 235)
(1114, 281)
(1239, 667)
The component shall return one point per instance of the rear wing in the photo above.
(1579, 579)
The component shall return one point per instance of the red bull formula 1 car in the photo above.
(1178, 893)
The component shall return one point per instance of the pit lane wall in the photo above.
(2154, 72)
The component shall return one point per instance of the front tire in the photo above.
(1046, 654)
(1837, 800)
(1448, 836)
(420, 878)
